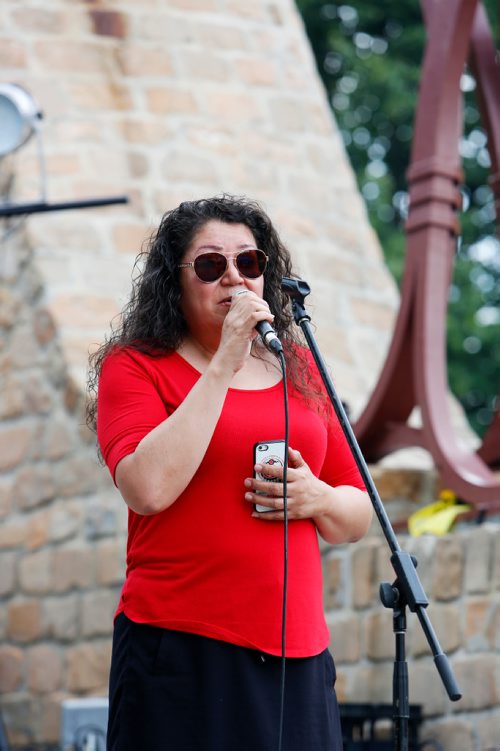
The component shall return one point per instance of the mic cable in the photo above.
(285, 552)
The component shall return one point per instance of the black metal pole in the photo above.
(19, 209)
(392, 597)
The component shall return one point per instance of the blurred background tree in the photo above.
(369, 56)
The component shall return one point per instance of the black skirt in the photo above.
(175, 691)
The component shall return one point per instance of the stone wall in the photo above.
(460, 573)
(62, 543)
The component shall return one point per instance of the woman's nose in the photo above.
(231, 273)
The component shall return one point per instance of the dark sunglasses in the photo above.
(211, 266)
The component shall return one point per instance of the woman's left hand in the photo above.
(341, 514)
(305, 492)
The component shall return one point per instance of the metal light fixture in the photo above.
(20, 118)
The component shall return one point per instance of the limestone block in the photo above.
(73, 568)
(255, 71)
(37, 529)
(142, 132)
(13, 533)
(5, 495)
(32, 719)
(102, 95)
(24, 350)
(496, 560)
(144, 60)
(100, 521)
(65, 520)
(84, 310)
(345, 637)
(61, 617)
(47, 715)
(220, 34)
(129, 237)
(333, 581)
(11, 668)
(43, 327)
(43, 668)
(452, 734)
(67, 165)
(87, 666)
(97, 612)
(488, 730)
(238, 107)
(254, 11)
(449, 567)
(372, 313)
(372, 684)
(364, 587)
(110, 556)
(72, 476)
(493, 626)
(203, 65)
(479, 559)
(12, 54)
(171, 100)
(378, 635)
(477, 676)
(138, 165)
(478, 613)
(35, 572)
(7, 573)
(59, 438)
(12, 397)
(39, 396)
(15, 439)
(426, 688)
(341, 684)
(70, 55)
(38, 20)
(24, 620)
(188, 166)
(34, 486)
(16, 708)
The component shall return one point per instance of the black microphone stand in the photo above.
(406, 590)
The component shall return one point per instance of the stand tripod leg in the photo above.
(391, 597)
(401, 704)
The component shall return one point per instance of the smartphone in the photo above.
(272, 453)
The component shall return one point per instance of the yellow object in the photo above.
(437, 518)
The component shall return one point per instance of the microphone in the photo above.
(266, 331)
(269, 337)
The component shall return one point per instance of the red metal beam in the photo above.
(415, 372)
(485, 66)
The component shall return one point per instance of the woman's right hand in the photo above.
(156, 473)
(238, 330)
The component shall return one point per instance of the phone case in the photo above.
(268, 452)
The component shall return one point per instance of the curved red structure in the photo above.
(415, 371)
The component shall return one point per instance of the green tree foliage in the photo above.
(369, 56)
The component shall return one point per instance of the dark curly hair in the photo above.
(152, 320)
